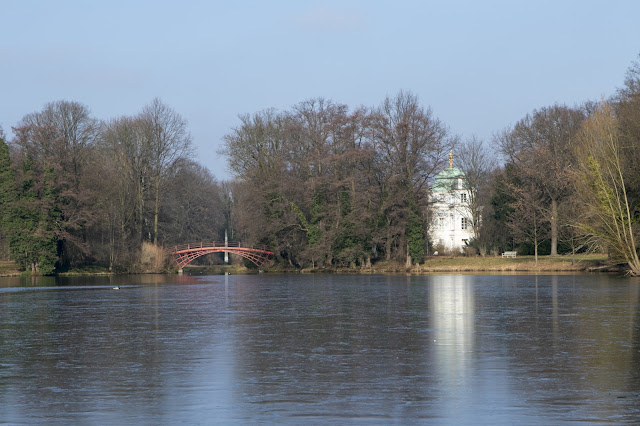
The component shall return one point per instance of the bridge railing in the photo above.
(206, 244)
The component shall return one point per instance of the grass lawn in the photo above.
(582, 262)
(561, 263)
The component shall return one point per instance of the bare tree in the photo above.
(626, 106)
(571, 233)
(477, 164)
(124, 181)
(526, 218)
(169, 141)
(410, 144)
(193, 209)
(140, 159)
(608, 213)
(60, 138)
(255, 149)
(325, 186)
(540, 146)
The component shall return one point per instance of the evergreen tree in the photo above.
(30, 220)
(416, 240)
(7, 189)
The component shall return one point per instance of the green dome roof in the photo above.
(447, 179)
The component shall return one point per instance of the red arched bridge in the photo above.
(185, 253)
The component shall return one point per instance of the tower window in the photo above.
(464, 223)
(463, 197)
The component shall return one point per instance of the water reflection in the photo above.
(321, 345)
(452, 308)
(330, 348)
(568, 352)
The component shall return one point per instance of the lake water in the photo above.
(439, 349)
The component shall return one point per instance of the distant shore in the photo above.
(434, 264)
(563, 263)
(489, 264)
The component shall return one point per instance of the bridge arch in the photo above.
(185, 253)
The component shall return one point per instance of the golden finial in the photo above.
(450, 159)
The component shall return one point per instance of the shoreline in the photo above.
(488, 264)
(435, 264)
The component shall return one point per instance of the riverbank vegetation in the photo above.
(447, 264)
(329, 187)
(323, 185)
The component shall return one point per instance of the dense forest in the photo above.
(78, 191)
(321, 184)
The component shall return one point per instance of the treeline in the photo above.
(76, 191)
(320, 184)
(323, 185)
(571, 180)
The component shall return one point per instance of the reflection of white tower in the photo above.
(453, 311)
(452, 307)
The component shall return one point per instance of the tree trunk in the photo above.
(554, 227)
(387, 243)
(156, 212)
(140, 202)
(535, 237)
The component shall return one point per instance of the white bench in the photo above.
(509, 254)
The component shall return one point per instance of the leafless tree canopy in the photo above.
(540, 145)
(321, 184)
(325, 186)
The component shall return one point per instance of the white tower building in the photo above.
(451, 228)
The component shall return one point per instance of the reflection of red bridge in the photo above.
(185, 253)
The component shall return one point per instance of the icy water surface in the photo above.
(299, 349)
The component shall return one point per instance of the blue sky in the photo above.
(480, 65)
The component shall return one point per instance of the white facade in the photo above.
(451, 228)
